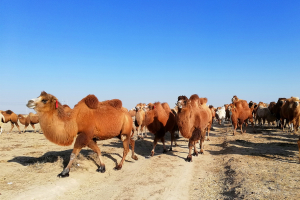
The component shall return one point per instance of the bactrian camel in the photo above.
(31, 119)
(90, 120)
(10, 116)
(160, 119)
(194, 119)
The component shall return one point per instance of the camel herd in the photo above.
(13, 118)
(91, 120)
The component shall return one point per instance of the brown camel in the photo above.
(10, 116)
(139, 121)
(194, 119)
(31, 119)
(159, 119)
(240, 114)
(90, 120)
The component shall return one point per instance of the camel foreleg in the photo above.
(154, 145)
(172, 140)
(80, 142)
(25, 129)
(18, 127)
(189, 157)
(132, 143)
(164, 145)
(195, 149)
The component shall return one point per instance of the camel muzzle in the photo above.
(30, 104)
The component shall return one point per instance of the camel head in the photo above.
(182, 101)
(44, 103)
(234, 99)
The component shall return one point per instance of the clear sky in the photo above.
(148, 50)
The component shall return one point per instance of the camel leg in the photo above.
(195, 149)
(125, 139)
(132, 144)
(18, 127)
(93, 145)
(172, 139)
(208, 130)
(189, 157)
(25, 128)
(164, 146)
(234, 124)
(33, 128)
(12, 126)
(154, 145)
(80, 142)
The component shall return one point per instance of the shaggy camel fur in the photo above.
(90, 120)
(240, 113)
(31, 119)
(140, 120)
(10, 116)
(194, 119)
(159, 119)
(2, 119)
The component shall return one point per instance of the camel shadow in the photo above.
(53, 156)
(281, 151)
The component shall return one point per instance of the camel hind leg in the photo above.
(33, 127)
(125, 139)
(93, 145)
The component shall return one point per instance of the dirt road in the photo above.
(262, 165)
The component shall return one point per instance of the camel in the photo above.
(10, 116)
(90, 120)
(194, 119)
(31, 119)
(240, 114)
(139, 121)
(2, 119)
(159, 119)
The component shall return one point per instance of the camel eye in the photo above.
(44, 101)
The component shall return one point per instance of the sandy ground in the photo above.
(262, 165)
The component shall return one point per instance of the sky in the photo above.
(148, 50)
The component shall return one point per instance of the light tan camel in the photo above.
(90, 120)
(10, 116)
(31, 119)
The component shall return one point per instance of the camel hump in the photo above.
(91, 101)
(116, 103)
(194, 97)
(166, 107)
(9, 112)
(203, 101)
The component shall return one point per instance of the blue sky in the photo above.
(147, 50)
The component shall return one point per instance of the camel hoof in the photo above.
(195, 154)
(118, 167)
(134, 157)
(165, 151)
(189, 159)
(170, 149)
(176, 145)
(101, 169)
(201, 152)
(64, 173)
(61, 175)
(207, 139)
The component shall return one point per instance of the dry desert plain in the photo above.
(262, 165)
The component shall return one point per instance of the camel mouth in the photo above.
(31, 104)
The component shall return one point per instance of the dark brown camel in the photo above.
(159, 119)
(90, 120)
(31, 119)
(10, 116)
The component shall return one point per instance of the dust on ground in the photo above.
(261, 165)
